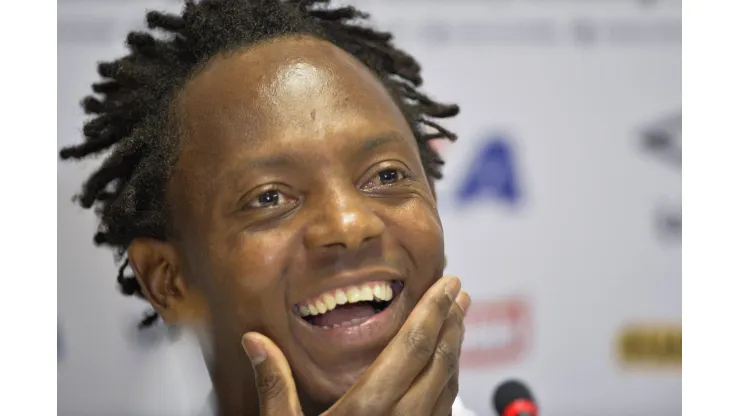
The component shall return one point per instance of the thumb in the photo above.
(275, 385)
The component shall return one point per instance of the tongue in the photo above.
(344, 313)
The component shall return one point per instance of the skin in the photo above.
(295, 166)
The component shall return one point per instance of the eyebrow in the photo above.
(380, 140)
(275, 161)
(371, 143)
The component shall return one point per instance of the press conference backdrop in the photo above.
(561, 207)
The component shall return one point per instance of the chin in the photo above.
(325, 390)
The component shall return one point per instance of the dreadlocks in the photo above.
(132, 104)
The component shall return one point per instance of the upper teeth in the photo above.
(329, 300)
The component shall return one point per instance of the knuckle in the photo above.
(419, 344)
(448, 354)
(443, 304)
(270, 386)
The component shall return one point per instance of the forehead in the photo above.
(297, 88)
(298, 96)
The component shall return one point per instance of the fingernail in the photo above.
(452, 288)
(254, 349)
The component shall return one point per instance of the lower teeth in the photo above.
(347, 323)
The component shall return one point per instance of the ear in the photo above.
(158, 270)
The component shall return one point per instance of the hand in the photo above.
(416, 374)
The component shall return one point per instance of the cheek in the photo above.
(419, 231)
(423, 220)
(250, 274)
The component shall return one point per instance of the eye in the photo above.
(387, 177)
(267, 199)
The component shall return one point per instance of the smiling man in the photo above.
(270, 186)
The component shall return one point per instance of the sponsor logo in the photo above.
(590, 32)
(662, 140)
(492, 174)
(668, 221)
(650, 345)
(497, 332)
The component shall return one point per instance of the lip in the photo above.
(370, 335)
(354, 278)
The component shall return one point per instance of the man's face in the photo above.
(299, 188)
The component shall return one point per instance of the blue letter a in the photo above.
(492, 175)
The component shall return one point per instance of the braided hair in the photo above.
(131, 106)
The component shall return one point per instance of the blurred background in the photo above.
(561, 205)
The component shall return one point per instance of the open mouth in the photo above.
(349, 306)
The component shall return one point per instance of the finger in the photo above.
(434, 380)
(275, 385)
(443, 406)
(392, 373)
(463, 300)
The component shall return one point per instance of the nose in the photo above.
(345, 219)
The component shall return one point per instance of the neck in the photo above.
(231, 401)
(234, 386)
(233, 383)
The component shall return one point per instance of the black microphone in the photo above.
(512, 398)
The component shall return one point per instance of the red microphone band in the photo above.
(520, 406)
